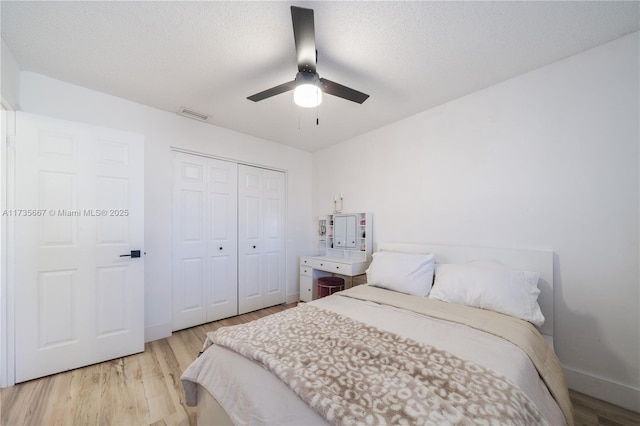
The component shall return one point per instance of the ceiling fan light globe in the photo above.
(307, 95)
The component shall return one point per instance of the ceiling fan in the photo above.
(308, 86)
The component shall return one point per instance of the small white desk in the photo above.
(313, 267)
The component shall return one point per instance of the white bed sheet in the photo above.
(251, 395)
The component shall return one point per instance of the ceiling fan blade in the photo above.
(341, 91)
(305, 38)
(285, 87)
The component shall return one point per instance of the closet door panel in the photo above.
(188, 241)
(250, 229)
(250, 284)
(204, 235)
(219, 272)
(274, 197)
(252, 226)
(261, 238)
(273, 277)
(222, 241)
(193, 285)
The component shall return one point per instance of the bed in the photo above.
(393, 352)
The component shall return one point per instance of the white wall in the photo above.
(548, 159)
(163, 130)
(10, 93)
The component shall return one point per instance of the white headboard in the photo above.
(529, 260)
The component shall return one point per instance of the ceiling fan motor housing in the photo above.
(304, 77)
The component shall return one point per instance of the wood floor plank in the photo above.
(38, 401)
(185, 347)
(61, 413)
(145, 389)
(158, 399)
(85, 394)
(590, 411)
(16, 403)
(134, 381)
(172, 372)
(117, 401)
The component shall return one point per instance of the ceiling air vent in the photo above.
(189, 113)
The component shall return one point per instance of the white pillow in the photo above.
(490, 286)
(402, 272)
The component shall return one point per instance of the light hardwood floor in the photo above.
(145, 389)
(141, 389)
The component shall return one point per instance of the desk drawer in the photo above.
(306, 261)
(335, 267)
(306, 271)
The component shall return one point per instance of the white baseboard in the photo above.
(157, 332)
(615, 393)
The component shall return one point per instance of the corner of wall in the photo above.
(10, 78)
(157, 332)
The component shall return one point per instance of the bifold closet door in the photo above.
(261, 238)
(204, 240)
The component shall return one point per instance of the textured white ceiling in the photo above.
(209, 56)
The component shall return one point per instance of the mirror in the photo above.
(344, 231)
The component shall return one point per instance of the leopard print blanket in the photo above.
(352, 373)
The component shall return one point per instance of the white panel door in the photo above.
(261, 238)
(273, 198)
(250, 266)
(204, 234)
(78, 301)
(222, 240)
(189, 249)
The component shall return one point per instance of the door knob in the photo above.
(133, 254)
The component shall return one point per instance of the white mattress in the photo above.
(251, 395)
